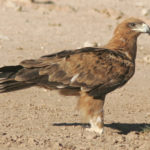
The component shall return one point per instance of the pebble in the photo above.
(139, 4)
(146, 59)
(3, 37)
(10, 4)
(91, 44)
(145, 12)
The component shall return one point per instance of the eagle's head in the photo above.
(132, 26)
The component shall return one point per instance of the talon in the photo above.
(95, 129)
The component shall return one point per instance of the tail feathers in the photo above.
(7, 79)
(9, 71)
(10, 68)
(8, 86)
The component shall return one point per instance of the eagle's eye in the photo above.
(132, 25)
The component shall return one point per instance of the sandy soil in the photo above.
(37, 119)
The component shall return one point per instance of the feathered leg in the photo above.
(93, 111)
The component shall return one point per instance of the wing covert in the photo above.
(90, 70)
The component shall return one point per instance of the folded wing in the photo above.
(97, 71)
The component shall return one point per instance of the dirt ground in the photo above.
(37, 119)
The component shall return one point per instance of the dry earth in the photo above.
(36, 119)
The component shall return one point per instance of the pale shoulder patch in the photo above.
(74, 78)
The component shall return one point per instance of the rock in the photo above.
(3, 37)
(146, 59)
(10, 4)
(139, 4)
(91, 44)
(145, 12)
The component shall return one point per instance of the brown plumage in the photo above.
(93, 72)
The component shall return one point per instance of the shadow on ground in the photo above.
(123, 128)
(42, 2)
(72, 124)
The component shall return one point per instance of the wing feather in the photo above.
(91, 69)
(96, 70)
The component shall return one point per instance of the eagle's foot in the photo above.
(95, 129)
(96, 125)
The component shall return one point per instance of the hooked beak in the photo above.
(143, 28)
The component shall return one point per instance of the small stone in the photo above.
(139, 4)
(4, 133)
(42, 47)
(3, 37)
(146, 59)
(45, 90)
(91, 44)
(145, 12)
(19, 48)
(10, 4)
